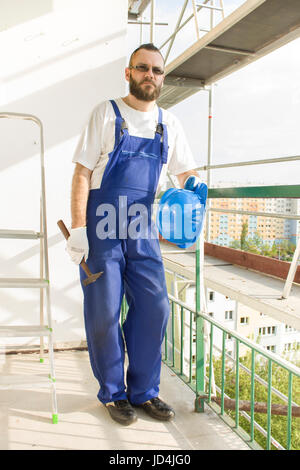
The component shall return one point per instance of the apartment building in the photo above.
(268, 332)
(227, 227)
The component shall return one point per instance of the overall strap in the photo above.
(120, 125)
(161, 130)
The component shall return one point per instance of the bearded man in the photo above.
(122, 159)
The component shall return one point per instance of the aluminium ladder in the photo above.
(41, 330)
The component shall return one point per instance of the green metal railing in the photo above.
(196, 322)
(197, 383)
(202, 381)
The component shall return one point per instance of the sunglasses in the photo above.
(145, 68)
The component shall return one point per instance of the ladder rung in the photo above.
(31, 234)
(12, 382)
(22, 331)
(23, 282)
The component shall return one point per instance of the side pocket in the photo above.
(153, 246)
(98, 249)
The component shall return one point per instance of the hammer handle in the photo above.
(66, 234)
(63, 229)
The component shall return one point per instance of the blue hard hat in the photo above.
(180, 216)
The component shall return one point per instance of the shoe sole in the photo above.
(160, 418)
(124, 422)
(153, 415)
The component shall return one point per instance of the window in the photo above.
(211, 314)
(267, 330)
(244, 320)
(272, 348)
(228, 314)
(211, 296)
(289, 328)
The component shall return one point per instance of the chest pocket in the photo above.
(125, 154)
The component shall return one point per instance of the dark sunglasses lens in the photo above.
(142, 68)
(145, 68)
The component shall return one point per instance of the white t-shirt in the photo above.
(98, 138)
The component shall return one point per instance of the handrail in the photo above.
(268, 192)
(271, 357)
(249, 162)
(276, 215)
(251, 344)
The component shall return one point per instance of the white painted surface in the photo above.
(60, 59)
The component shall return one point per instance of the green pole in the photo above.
(289, 415)
(237, 382)
(252, 394)
(210, 361)
(269, 404)
(191, 347)
(173, 334)
(181, 340)
(200, 383)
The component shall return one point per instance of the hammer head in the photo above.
(92, 278)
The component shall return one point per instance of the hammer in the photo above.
(90, 276)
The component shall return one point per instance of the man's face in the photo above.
(144, 83)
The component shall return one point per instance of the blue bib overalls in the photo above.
(131, 265)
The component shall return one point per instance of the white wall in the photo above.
(61, 58)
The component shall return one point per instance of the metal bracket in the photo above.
(174, 80)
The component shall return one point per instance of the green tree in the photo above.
(286, 250)
(236, 244)
(283, 250)
(244, 234)
(279, 382)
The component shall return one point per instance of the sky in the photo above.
(255, 112)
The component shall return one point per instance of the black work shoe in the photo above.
(122, 412)
(158, 409)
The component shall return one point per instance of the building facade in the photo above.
(225, 228)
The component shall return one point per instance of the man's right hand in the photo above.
(192, 183)
(78, 245)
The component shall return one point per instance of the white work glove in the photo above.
(78, 244)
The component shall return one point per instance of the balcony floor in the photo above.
(25, 415)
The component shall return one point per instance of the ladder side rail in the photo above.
(44, 264)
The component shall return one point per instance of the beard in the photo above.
(147, 93)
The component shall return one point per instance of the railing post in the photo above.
(252, 394)
(210, 361)
(269, 403)
(209, 156)
(173, 334)
(289, 415)
(181, 339)
(191, 348)
(237, 381)
(200, 372)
